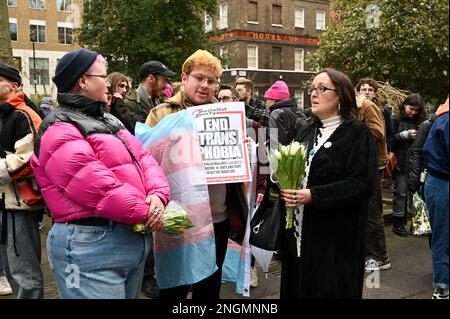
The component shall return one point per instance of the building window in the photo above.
(37, 31)
(13, 28)
(223, 16)
(65, 32)
(224, 56)
(299, 63)
(252, 11)
(64, 5)
(299, 18)
(252, 56)
(276, 15)
(39, 71)
(36, 4)
(208, 23)
(300, 98)
(276, 58)
(12, 3)
(320, 20)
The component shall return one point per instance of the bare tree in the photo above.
(5, 37)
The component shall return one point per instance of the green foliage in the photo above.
(129, 33)
(404, 43)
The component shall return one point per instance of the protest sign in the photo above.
(221, 129)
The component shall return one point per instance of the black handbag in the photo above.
(267, 223)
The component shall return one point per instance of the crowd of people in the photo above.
(80, 161)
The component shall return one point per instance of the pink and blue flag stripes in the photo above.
(190, 257)
(236, 267)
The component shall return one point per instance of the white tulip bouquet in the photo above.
(287, 166)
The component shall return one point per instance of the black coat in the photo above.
(283, 117)
(120, 110)
(400, 146)
(416, 163)
(335, 223)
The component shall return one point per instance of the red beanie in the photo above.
(279, 91)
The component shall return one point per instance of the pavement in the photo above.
(409, 278)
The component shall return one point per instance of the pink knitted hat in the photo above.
(168, 91)
(279, 91)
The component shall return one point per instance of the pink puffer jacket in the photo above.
(97, 175)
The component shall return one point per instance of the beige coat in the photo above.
(370, 113)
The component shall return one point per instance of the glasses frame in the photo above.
(226, 98)
(319, 90)
(201, 79)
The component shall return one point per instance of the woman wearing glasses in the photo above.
(341, 164)
(118, 92)
(98, 181)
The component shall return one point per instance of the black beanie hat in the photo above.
(11, 73)
(71, 67)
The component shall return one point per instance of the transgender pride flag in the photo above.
(190, 257)
(236, 266)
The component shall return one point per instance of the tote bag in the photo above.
(267, 222)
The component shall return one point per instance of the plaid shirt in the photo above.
(256, 111)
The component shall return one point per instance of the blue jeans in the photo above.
(97, 261)
(436, 198)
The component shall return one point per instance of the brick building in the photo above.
(42, 29)
(268, 40)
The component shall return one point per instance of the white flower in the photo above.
(294, 148)
(284, 150)
(277, 154)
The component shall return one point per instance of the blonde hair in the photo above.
(202, 58)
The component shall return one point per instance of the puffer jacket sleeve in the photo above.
(155, 179)
(68, 162)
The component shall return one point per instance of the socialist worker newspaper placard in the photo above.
(222, 129)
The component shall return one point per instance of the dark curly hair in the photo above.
(369, 81)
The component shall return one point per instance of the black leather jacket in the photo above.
(416, 163)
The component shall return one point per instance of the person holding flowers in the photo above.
(97, 181)
(330, 234)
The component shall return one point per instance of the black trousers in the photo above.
(208, 288)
